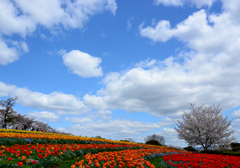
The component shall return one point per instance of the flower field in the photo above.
(38, 149)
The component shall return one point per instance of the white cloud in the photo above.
(236, 125)
(236, 114)
(197, 3)
(94, 102)
(146, 64)
(44, 115)
(191, 30)
(91, 116)
(129, 24)
(83, 64)
(162, 91)
(117, 129)
(10, 52)
(23, 16)
(202, 3)
(102, 114)
(13, 21)
(171, 138)
(78, 119)
(231, 10)
(6, 90)
(161, 32)
(63, 104)
(7, 55)
(169, 2)
(167, 122)
(61, 52)
(168, 87)
(197, 32)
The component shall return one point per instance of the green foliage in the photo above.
(10, 119)
(99, 137)
(230, 153)
(235, 147)
(153, 142)
(125, 140)
(190, 148)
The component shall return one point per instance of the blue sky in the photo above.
(120, 69)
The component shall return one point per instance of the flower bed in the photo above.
(40, 149)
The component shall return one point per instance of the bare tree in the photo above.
(130, 140)
(8, 113)
(205, 126)
(156, 137)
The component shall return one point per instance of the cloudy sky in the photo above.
(120, 69)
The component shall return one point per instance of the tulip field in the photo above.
(28, 149)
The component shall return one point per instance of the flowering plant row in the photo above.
(94, 153)
(11, 138)
(126, 158)
(37, 155)
(202, 160)
(55, 149)
(48, 154)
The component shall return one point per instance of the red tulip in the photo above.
(20, 164)
(9, 159)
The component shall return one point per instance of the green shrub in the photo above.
(153, 142)
(190, 148)
(230, 153)
(99, 137)
(125, 140)
(235, 147)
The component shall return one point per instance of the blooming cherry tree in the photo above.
(205, 126)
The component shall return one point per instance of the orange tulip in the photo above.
(23, 157)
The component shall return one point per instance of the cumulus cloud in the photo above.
(171, 137)
(14, 21)
(10, 52)
(6, 90)
(235, 125)
(147, 63)
(63, 104)
(163, 92)
(200, 75)
(176, 3)
(169, 2)
(117, 129)
(7, 55)
(236, 114)
(82, 64)
(23, 16)
(78, 119)
(91, 116)
(94, 102)
(231, 10)
(196, 31)
(102, 114)
(44, 115)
